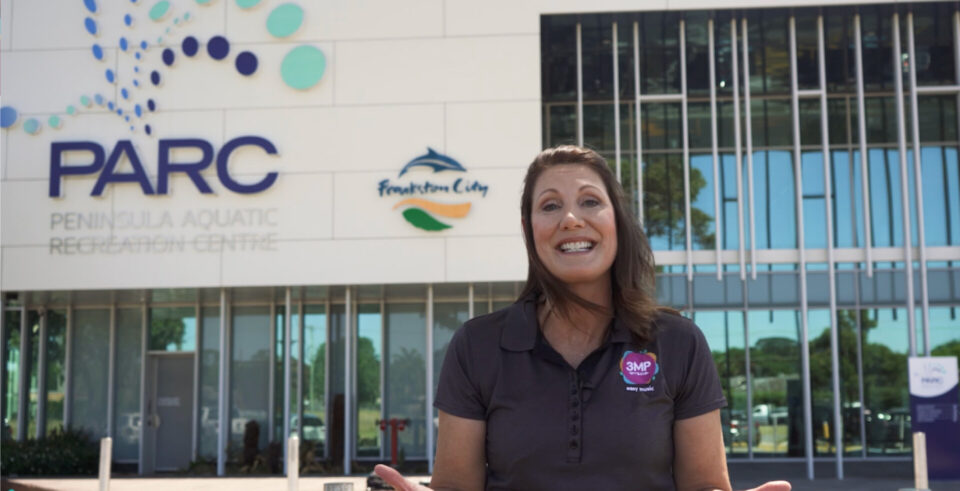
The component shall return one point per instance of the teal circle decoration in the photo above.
(54, 121)
(247, 4)
(85, 100)
(31, 126)
(159, 10)
(71, 110)
(303, 67)
(285, 20)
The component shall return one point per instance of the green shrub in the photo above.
(62, 453)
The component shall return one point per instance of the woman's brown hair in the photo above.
(632, 273)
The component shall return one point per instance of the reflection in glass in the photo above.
(663, 201)
(209, 381)
(774, 201)
(11, 373)
(88, 387)
(941, 195)
(886, 405)
(33, 369)
(314, 376)
(821, 382)
(702, 212)
(944, 332)
(56, 368)
(126, 419)
(777, 389)
(369, 349)
(249, 376)
(725, 335)
(406, 374)
(173, 329)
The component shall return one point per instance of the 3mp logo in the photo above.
(639, 367)
(151, 37)
(420, 211)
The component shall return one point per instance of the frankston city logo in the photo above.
(415, 187)
(639, 369)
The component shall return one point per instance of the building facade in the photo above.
(223, 212)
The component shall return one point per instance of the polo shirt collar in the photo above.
(520, 332)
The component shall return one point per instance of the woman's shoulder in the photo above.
(485, 330)
(675, 329)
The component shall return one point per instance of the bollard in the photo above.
(106, 452)
(293, 463)
(920, 481)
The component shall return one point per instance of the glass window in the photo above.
(659, 53)
(771, 122)
(33, 369)
(56, 368)
(662, 126)
(406, 374)
(280, 369)
(808, 60)
(558, 47)
(728, 202)
(126, 422)
(933, 43)
(369, 358)
(562, 124)
(11, 373)
(335, 413)
(944, 331)
(774, 200)
(88, 388)
(173, 329)
(839, 43)
(597, 52)
(725, 335)
(769, 59)
(938, 118)
(877, 45)
(314, 376)
(814, 201)
(777, 387)
(848, 330)
(249, 375)
(886, 399)
(941, 195)
(821, 381)
(698, 54)
(663, 202)
(209, 381)
(702, 211)
(885, 202)
(598, 126)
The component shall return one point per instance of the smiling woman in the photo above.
(555, 391)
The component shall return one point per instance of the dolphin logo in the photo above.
(434, 160)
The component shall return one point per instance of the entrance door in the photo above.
(169, 409)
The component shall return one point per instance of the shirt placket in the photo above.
(575, 446)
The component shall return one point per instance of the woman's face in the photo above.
(574, 225)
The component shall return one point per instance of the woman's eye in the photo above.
(591, 202)
(550, 207)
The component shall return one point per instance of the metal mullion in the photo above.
(23, 382)
(686, 148)
(798, 188)
(384, 383)
(144, 348)
(347, 383)
(272, 369)
(904, 184)
(938, 89)
(42, 375)
(301, 350)
(3, 356)
(639, 127)
(745, 309)
(956, 61)
(831, 271)
(736, 144)
(197, 354)
(112, 368)
(579, 84)
(717, 225)
(470, 309)
(286, 374)
(616, 102)
(748, 127)
(661, 98)
(862, 137)
(223, 386)
(918, 187)
(328, 340)
(429, 381)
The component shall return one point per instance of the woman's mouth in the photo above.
(576, 246)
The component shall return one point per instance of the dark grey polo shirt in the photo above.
(606, 425)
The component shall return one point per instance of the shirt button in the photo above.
(574, 403)
(574, 416)
(573, 430)
(574, 444)
(573, 391)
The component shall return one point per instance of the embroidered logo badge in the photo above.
(639, 368)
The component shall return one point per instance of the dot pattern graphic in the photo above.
(284, 20)
(31, 126)
(159, 10)
(303, 67)
(168, 57)
(8, 116)
(190, 46)
(246, 63)
(218, 47)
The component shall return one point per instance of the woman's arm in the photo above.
(699, 457)
(460, 464)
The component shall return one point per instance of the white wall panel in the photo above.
(486, 258)
(46, 82)
(27, 212)
(344, 138)
(338, 262)
(344, 19)
(29, 155)
(90, 272)
(3, 154)
(5, 25)
(359, 211)
(201, 82)
(494, 134)
(451, 70)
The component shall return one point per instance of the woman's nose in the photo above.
(571, 220)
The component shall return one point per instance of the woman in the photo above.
(584, 383)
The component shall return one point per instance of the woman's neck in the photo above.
(578, 331)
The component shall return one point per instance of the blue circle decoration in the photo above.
(110, 105)
(123, 43)
(147, 129)
(91, 5)
(155, 77)
(143, 45)
(91, 25)
(136, 69)
(110, 76)
(190, 45)
(98, 99)
(152, 106)
(246, 63)
(136, 83)
(138, 110)
(168, 57)
(8, 116)
(137, 55)
(97, 51)
(127, 118)
(218, 47)
(128, 20)
(124, 93)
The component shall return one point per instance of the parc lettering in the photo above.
(106, 167)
